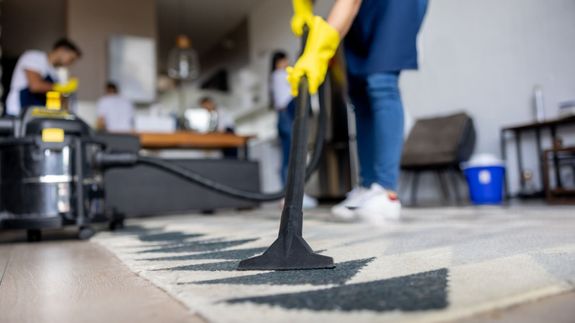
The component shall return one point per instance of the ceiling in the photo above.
(205, 21)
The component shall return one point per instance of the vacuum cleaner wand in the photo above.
(290, 251)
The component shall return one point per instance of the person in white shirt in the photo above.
(115, 113)
(222, 122)
(284, 103)
(35, 74)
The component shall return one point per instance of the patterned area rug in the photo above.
(436, 265)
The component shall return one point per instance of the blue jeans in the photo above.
(380, 124)
(285, 124)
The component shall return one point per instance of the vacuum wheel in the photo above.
(116, 224)
(85, 233)
(116, 220)
(34, 235)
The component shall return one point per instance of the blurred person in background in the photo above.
(220, 121)
(380, 38)
(36, 74)
(115, 113)
(284, 103)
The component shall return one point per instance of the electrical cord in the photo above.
(208, 183)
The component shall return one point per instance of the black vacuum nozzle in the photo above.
(290, 251)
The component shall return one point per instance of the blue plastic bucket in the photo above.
(485, 184)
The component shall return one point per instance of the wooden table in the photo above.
(538, 127)
(194, 140)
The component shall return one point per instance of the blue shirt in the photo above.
(383, 37)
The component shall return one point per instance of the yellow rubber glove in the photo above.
(322, 44)
(67, 88)
(303, 15)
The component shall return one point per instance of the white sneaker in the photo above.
(345, 211)
(379, 206)
(309, 202)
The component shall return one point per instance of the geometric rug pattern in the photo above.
(435, 265)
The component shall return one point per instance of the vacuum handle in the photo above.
(304, 38)
(303, 84)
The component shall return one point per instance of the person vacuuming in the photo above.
(380, 42)
(36, 74)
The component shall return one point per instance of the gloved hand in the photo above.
(303, 15)
(322, 44)
(67, 88)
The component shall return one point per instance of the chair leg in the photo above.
(444, 186)
(462, 179)
(453, 176)
(414, 187)
(403, 182)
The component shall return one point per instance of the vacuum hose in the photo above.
(108, 160)
(208, 183)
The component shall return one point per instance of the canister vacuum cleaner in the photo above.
(47, 175)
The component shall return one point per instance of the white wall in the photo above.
(482, 56)
(486, 57)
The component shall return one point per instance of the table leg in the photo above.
(246, 152)
(540, 156)
(557, 171)
(503, 147)
(546, 184)
(519, 160)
